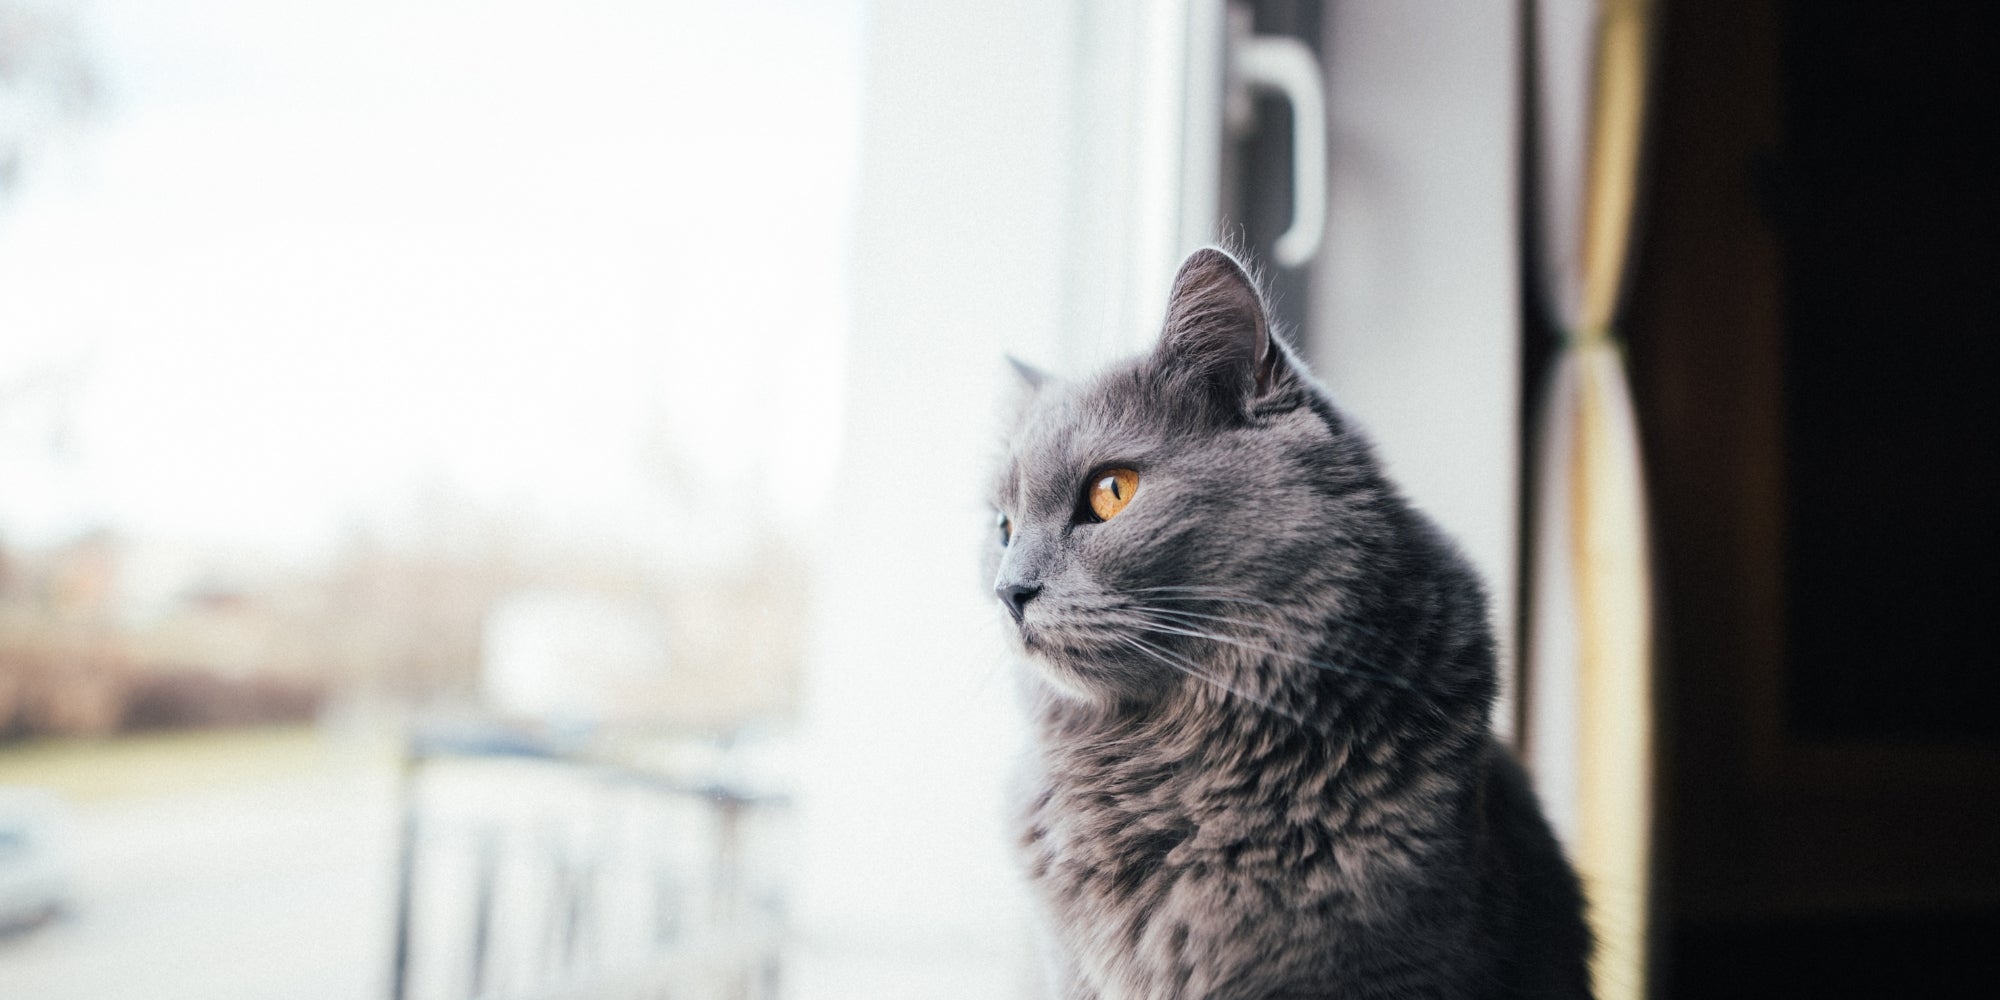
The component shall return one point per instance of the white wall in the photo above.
(1416, 293)
(905, 884)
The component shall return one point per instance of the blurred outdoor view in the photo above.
(413, 419)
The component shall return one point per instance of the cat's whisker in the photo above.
(1271, 627)
(1169, 628)
(1181, 665)
(1200, 594)
(1230, 599)
(1267, 627)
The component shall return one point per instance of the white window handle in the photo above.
(1286, 66)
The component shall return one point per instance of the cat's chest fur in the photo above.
(1187, 871)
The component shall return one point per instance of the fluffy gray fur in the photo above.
(1263, 766)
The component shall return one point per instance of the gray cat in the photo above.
(1260, 684)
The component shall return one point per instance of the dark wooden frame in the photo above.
(1759, 821)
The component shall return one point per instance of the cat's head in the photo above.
(1205, 493)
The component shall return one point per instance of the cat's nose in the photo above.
(1015, 596)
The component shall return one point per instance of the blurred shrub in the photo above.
(60, 692)
(191, 698)
(95, 692)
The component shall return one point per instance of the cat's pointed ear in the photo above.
(1031, 378)
(1024, 383)
(1217, 338)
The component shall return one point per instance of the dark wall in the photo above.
(1810, 330)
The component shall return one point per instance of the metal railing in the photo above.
(539, 867)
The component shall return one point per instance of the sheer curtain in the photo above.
(1589, 712)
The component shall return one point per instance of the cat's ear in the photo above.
(1024, 383)
(1217, 339)
(1031, 378)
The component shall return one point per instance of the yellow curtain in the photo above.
(1590, 712)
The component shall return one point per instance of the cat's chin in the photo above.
(1055, 665)
(1063, 682)
(1086, 677)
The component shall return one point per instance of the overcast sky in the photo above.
(312, 261)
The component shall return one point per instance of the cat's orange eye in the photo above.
(1110, 491)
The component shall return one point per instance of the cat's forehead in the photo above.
(1069, 430)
